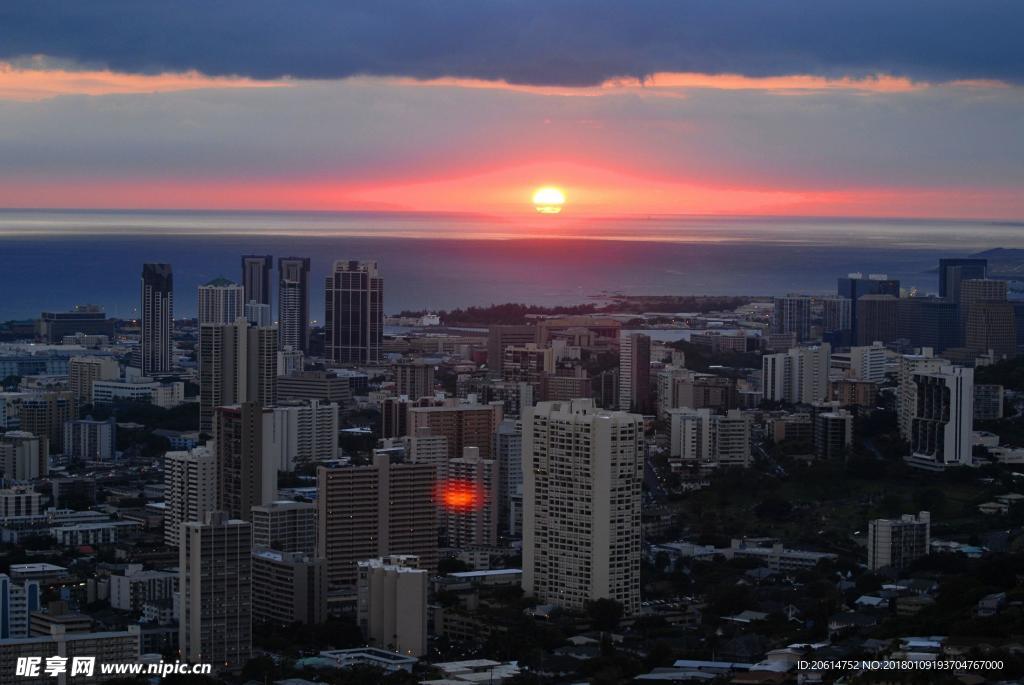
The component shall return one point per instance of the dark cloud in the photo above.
(542, 42)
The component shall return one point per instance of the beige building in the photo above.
(582, 476)
(24, 456)
(285, 526)
(246, 471)
(215, 588)
(190, 489)
(413, 379)
(469, 500)
(364, 512)
(701, 438)
(44, 414)
(82, 371)
(465, 425)
(288, 587)
(392, 603)
(237, 363)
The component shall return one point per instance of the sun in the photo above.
(548, 200)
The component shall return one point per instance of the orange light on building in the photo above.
(459, 495)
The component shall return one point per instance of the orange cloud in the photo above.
(33, 84)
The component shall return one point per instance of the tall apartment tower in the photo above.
(19, 601)
(83, 371)
(293, 303)
(792, 314)
(246, 473)
(942, 427)
(414, 379)
(190, 490)
(44, 414)
(220, 302)
(354, 313)
(896, 543)
(582, 475)
(910, 366)
(285, 526)
(634, 372)
(157, 318)
(237, 363)
(471, 517)
(215, 586)
(256, 278)
(392, 603)
(706, 440)
(800, 375)
(952, 272)
(364, 512)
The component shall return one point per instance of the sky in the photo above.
(779, 107)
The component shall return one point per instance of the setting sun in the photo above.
(548, 200)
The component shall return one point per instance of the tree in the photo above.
(604, 613)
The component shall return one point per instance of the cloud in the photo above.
(532, 42)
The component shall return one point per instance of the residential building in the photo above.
(833, 433)
(157, 319)
(237, 363)
(301, 432)
(413, 379)
(469, 500)
(91, 440)
(44, 414)
(502, 336)
(256, 278)
(246, 471)
(800, 375)
(354, 313)
(792, 314)
(942, 427)
(988, 402)
(136, 587)
(704, 439)
(293, 303)
(896, 543)
(19, 601)
(288, 587)
(635, 372)
(190, 489)
(24, 456)
(862, 362)
(83, 371)
(285, 526)
(392, 603)
(464, 425)
(909, 366)
(220, 302)
(315, 385)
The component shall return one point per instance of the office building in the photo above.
(364, 512)
(424, 448)
(157, 311)
(942, 428)
(582, 474)
(635, 372)
(836, 317)
(862, 362)
(256, 278)
(991, 328)
(301, 432)
(215, 586)
(285, 526)
(290, 362)
(237, 363)
(833, 433)
(876, 319)
(190, 489)
(83, 371)
(988, 402)
(852, 393)
(293, 303)
(394, 414)
(466, 425)
(354, 313)
(392, 603)
(469, 500)
(909, 366)
(704, 439)
(800, 375)
(220, 302)
(24, 456)
(501, 336)
(974, 292)
(44, 414)
(246, 472)
(929, 322)
(792, 314)
(855, 285)
(19, 601)
(86, 319)
(896, 543)
(163, 393)
(952, 272)
(315, 385)
(91, 440)
(20, 500)
(528, 364)
(413, 379)
(288, 587)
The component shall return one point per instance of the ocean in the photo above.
(52, 260)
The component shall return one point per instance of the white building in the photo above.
(190, 489)
(942, 427)
(800, 375)
(898, 542)
(862, 363)
(301, 432)
(582, 475)
(23, 456)
(19, 600)
(392, 603)
(909, 365)
(142, 389)
(90, 440)
(702, 438)
(136, 587)
(220, 302)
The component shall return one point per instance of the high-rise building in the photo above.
(929, 322)
(19, 601)
(469, 500)
(157, 319)
(220, 302)
(909, 366)
(501, 336)
(942, 427)
(392, 603)
(792, 314)
(293, 303)
(707, 440)
(528, 363)
(301, 432)
(215, 586)
(288, 587)
(237, 363)
(508, 451)
(836, 318)
(256, 278)
(83, 371)
(988, 402)
(290, 362)
(798, 376)
(464, 425)
(862, 362)
(992, 327)
(24, 456)
(91, 440)
(952, 272)
(973, 293)
(833, 433)
(44, 414)
(365, 512)
(582, 475)
(896, 543)
(354, 313)
(634, 372)
(413, 379)
(190, 489)
(315, 385)
(876, 319)
(246, 473)
(855, 285)
(285, 526)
